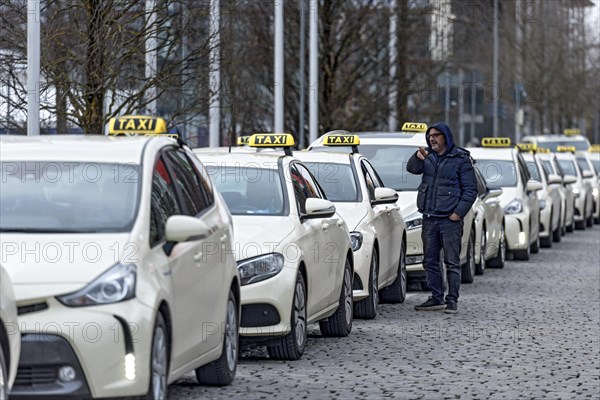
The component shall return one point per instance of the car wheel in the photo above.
(480, 267)
(3, 376)
(500, 258)
(557, 233)
(221, 372)
(340, 323)
(535, 246)
(571, 226)
(468, 268)
(292, 345)
(396, 292)
(590, 220)
(159, 360)
(367, 308)
(523, 254)
(547, 241)
(580, 225)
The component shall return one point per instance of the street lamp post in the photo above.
(33, 67)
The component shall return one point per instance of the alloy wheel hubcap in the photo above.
(159, 364)
(300, 315)
(232, 332)
(348, 294)
(374, 282)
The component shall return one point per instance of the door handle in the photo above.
(223, 238)
(198, 256)
(325, 226)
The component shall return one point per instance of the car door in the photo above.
(196, 268)
(530, 198)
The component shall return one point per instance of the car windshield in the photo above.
(580, 145)
(68, 197)
(596, 164)
(568, 167)
(583, 164)
(337, 180)
(548, 167)
(533, 170)
(498, 173)
(250, 191)
(390, 163)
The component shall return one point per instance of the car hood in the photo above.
(253, 236)
(508, 195)
(43, 265)
(407, 202)
(352, 213)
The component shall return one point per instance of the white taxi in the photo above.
(590, 176)
(293, 249)
(549, 196)
(376, 227)
(389, 153)
(584, 198)
(569, 137)
(10, 337)
(117, 249)
(595, 158)
(503, 167)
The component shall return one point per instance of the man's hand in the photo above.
(422, 153)
(455, 217)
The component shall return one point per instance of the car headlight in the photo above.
(514, 207)
(115, 285)
(259, 268)
(542, 204)
(414, 221)
(356, 238)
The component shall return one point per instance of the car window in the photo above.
(191, 193)
(203, 178)
(337, 180)
(303, 189)
(547, 165)
(481, 187)
(568, 166)
(374, 175)
(533, 170)
(370, 181)
(163, 202)
(523, 170)
(583, 164)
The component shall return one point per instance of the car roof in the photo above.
(72, 148)
(482, 153)
(395, 138)
(324, 156)
(257, 159)
(553, 138)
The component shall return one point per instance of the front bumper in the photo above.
(93, 341)
(414, 254)
(362, 268)
(517, 231)
(545, 222)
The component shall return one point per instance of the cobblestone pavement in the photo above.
(530, 330)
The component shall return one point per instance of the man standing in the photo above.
(447, 192)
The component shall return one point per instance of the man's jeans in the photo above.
(438, 234)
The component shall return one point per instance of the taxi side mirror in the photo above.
(494, 193)
(385, 196)
(553, 178)
(318, 208)
(183, 228)
(588, 174)
(568, 179)
(533, 185)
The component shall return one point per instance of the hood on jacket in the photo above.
(445, 129)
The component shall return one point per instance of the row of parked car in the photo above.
(130, 261)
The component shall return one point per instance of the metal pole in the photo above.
(214, 107)
(313, 111)
(151, 56)
(473, 103)
(393, 87)
(461, 106)
(518, 89)
(279, 77)
(495, 72)
(447, 98)
(301, 144)
(33, 68)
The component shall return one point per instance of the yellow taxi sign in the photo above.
(544, 150)
(138, 124)
(414, 127)
(572, 131)
(527, 147)
(341, 140)
(495, 142)
(271, 140)
(566, 149)
(243, 140)
(595, 148)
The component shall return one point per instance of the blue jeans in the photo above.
(437, 234)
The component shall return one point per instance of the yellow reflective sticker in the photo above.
(138, 124)
(566, 149)
(243, 140)
(543, 150)
(414, 127)
(572, 131)
(495, 142)
(271, 140)
(341, 140)
(527, 147)
(595, 148)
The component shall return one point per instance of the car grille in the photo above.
(259, 315)
(32, 376)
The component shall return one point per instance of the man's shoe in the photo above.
(430, 305)
(451, 307)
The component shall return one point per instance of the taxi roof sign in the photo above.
(271, 140)
(595, 148)
(341, 140)
(566, 149)
(572, 131)
(545, 150)
(414, 127)
(138, 124)
(243, 140)
(495, 142)
(532, 147)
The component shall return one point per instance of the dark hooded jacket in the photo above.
(448, 184)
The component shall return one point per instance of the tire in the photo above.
(221, 372)
(535, 246)
(468, 268)
(557, 233)
(367, 308)
(523, 255)
(571, 227)
(159, 360)
(480, 267)
(396, 292)
(500, 258)
(580, 225)
(292, 345)
(340, 323)
(3, 376)
(590, 220)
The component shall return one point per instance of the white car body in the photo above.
(518, 199)
(550, 165)
(584, 199)
(377, 227)
(549, 199)
(551, 142)
(391, 168)
(317, 248)
(591, 177)
(10, 336)
(176, 313)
